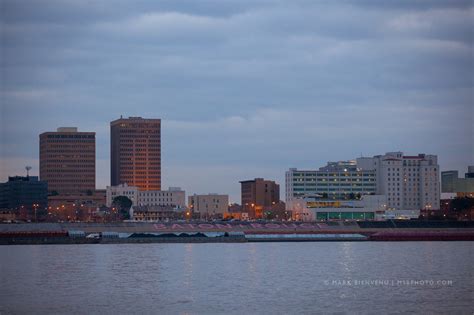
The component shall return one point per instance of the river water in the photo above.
(247, 278)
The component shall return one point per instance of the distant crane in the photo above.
(28, 168)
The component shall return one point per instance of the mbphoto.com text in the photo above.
(389, 282)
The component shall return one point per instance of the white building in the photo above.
(409, 182)
(210, 205)
(336, 180)
(322, 209)
(121, 190)
(173, 197)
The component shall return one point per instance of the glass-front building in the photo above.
(335, 215)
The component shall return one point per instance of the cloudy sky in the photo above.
(245, 88)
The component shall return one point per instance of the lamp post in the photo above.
(35, 207)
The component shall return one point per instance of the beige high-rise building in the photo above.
(409, 182)
(67, 161)
(135, 152)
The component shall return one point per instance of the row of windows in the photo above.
(70, 177)
(69, 180)
(296, 180)
(144, 139)
(155, 194)
(360, 189)
(70, 163)
(137, 167)
(139, 182)
(131, 151)
(140, 129)
(62, 152)
(341, 174)
(148, 200)
(113, 193)
(128, 146)
(67, 145)
(75, 136)
(59, 169)
(61, 158)
(334, 184)
(137, 173)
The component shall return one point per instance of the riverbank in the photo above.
(80, 237)
(233, 232)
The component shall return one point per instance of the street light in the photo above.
(35, 206)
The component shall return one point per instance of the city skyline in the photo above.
(245, 89)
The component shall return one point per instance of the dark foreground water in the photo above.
(252, 278)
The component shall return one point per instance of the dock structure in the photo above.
(206, 232)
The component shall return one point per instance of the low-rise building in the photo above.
(131, 192)
(174, 197)
(397, 215)
(155, 213)
(259, 195)
(317, 208)
(209, 206)
(26, 195)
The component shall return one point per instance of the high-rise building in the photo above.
(336, 180)
(67, 161)
(135, 152)
(258, 195)
(408, 182)
(451, 183)
(470, 172)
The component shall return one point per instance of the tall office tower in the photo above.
(135, 152)
(67, 161)
(409, 182)
(259, 195)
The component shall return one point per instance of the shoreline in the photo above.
(240, 232)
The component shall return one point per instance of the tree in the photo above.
(462, 204)
(123, 205)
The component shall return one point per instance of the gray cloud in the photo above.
(241, 86)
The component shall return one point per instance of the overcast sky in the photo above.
(245, 89)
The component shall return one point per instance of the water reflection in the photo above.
(233, 278)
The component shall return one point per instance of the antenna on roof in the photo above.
(28, 168)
